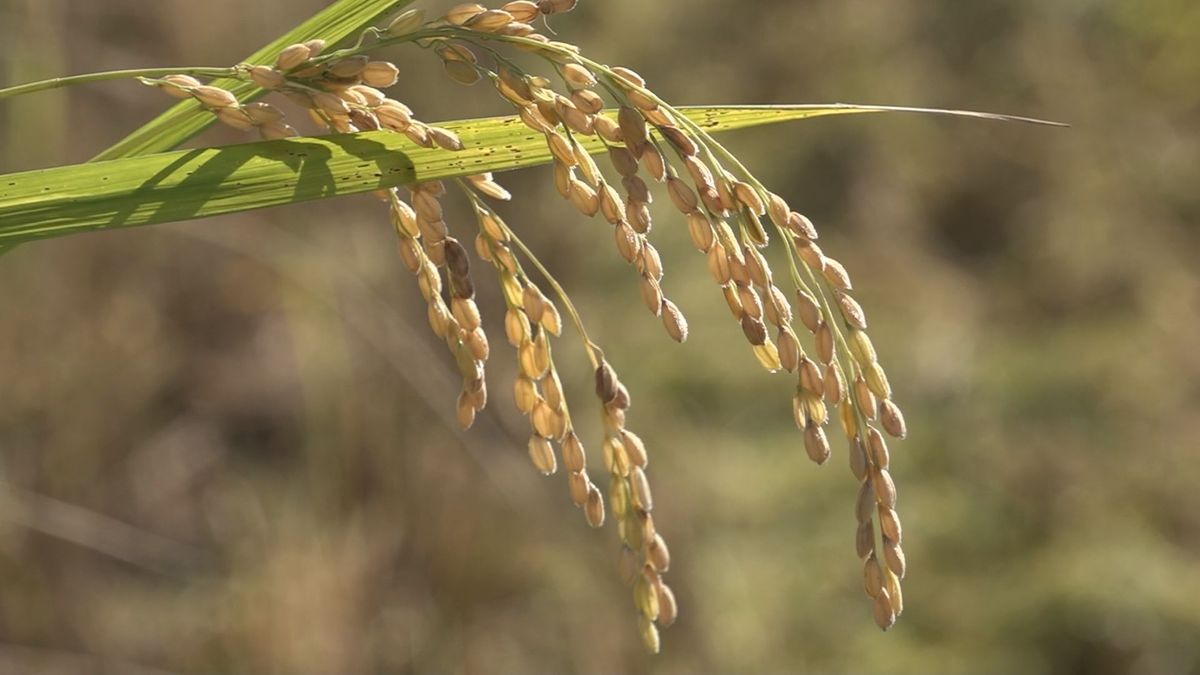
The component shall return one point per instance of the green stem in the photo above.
(588, 345)
(57, 82)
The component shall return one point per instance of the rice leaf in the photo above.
(187, 184)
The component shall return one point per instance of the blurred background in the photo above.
(229, 445)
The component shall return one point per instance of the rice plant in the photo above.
(803, 323)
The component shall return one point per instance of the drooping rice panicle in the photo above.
(725, 208)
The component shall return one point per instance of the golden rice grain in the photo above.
(651, 262)
(748, 196)
(636, 189)
(858, 459)
(864, 539)
(754, 330)
(578, 77)
(573, 454)
(864, 397)
(810, 377)
(628, 77)
(894, 556)
(180, 86)
(541, 453)
(824, 340)
(214, 97)
(801, 226)
(718, 264)
(544, 420)
(525, 394)
(380, 74)
(638, 215)
(587, 165)
(406, 22)
(889, 524)
(682, 142)
(808, 310)
(674, 321)
(872, 576)
(749, 300)
(489, 21)
(623, 161)
(895, 595)
(734, 300)
(861, 347)
(634, 448)
(810, 253)
(594, 508)
(700, 231)
(852, 312)
(516, 326)
(892, 418)
(816, 445)
(466, 312)
(835, 384)
(292, 56)
(578, 485)
(460, 14)
(347, 68)
(477, 342)
(315, 47)
(682, 196)
(584, 198)
(877, 380)
(848, 419)
(877, 448)
(668, 610)
(606, 382)
(654, 162)
(789, 349)
(778, 209)
(652, 295)
(629, 243)
(556, 6)
(885, 488)
(659, 556)
(835, 274)
(266, 77)
(633, 129)
(236, 118)
(700, 173)
(864, 505)
(649, 633)
(587, 101)
(608, 129)
(640, 489)
(522, 10)
(884, 615)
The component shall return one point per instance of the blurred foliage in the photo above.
(228, 445)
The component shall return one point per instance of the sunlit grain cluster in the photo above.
(804, 322)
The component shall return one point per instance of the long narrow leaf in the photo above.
(337, 22)
(198, 183)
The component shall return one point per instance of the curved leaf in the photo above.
(197, 183)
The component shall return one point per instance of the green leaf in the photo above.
(190, 184)
(335, 23)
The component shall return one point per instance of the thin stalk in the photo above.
(588, 345)
(562, 294)
(59, 82)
